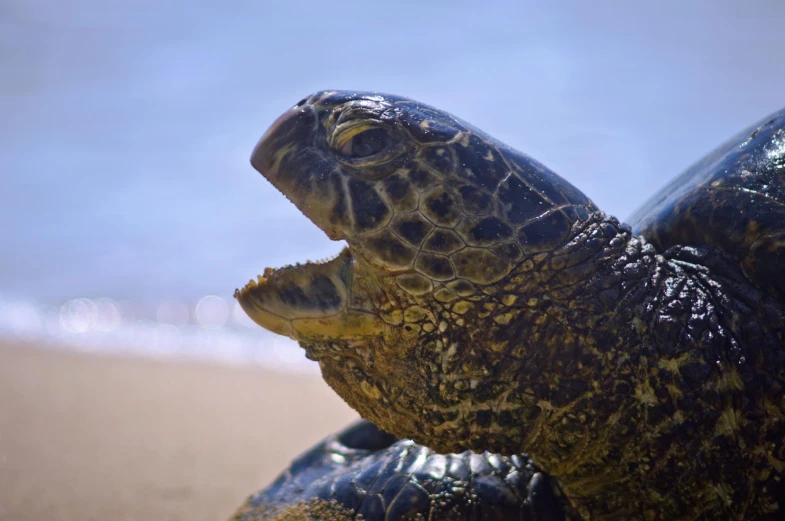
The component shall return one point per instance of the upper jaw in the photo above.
(291, 156)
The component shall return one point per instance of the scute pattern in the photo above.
(459, 187)
(364, 474)
(547, 232)
(480, 162)
(370, 212)
(443, 241)
(393, 252)
(440, 207)
(444, 219)
(521, 201)
(475, 201)
(437, 267)
(400, 192)
(480, 265)
(438, 158)
(484, 231)
(411, 227)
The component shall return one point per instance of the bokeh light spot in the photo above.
(212, 312)
(77, 315)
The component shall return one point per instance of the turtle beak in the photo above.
(287, 156)
(309, 301)
(290, 133)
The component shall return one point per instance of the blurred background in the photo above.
(129, 211)
(128, 208)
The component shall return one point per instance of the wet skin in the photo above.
(485, 303)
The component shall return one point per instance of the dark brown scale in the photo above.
(521, 202)
(440, 158)
(440, 206)
(548, 184)
(545, 233)
(400, 192)
(421, 124)
(368, 209)
(339, 215)
(390, 249)
(437, 267)
(479, 162)
(443, 241)
(484, 231)
(475, 201)
(508, 251)
(421, 179)
(412, 228)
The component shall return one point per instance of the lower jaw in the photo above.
(309, 302)
(314, 291)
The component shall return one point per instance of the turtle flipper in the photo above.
(732, 199)
(364, 473)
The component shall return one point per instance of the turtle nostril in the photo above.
(301, 102)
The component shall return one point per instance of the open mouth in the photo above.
(311, 301)
(295, 299)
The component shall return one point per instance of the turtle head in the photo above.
(355, 165)
(412, 317)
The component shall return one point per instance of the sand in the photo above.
(100, 437)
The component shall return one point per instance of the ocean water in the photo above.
(129, 211)
(212, 329)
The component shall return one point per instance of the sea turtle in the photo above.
(485, 303)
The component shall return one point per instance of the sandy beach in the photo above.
(98, 437)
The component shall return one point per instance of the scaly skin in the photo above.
(486, 304)
(361, 473)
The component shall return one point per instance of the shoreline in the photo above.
(117, 436)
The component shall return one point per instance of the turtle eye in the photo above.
(366, 143)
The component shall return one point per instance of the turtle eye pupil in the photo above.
(368, 143)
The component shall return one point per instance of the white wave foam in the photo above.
(209, 330)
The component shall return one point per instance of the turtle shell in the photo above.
(732, 199)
